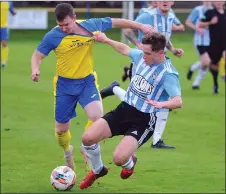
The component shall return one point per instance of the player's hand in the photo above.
(155, 103)
(35, 76)
(100, 37)
(214, 20)
(200, 30)
(147, 29)
(178, 52)
(179, 28)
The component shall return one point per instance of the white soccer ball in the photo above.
(63, 178)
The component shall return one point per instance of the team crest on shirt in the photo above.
(141, 85)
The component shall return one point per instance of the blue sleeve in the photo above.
(97, 24)
(136, 55)
(176, 21)
(172, 85)
(11, 8)
(193, 16)
(48, 44)
(145, 18)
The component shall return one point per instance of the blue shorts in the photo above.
(4, 34)
(68, 92)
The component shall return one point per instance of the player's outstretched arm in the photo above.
(131, 36)
(118, 46)
(124, 23)
(35, 63)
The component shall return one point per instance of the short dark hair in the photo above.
(63, 10)
(156, 40)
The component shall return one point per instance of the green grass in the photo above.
(29, 151)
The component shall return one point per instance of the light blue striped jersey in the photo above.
(157, 82)
(195, 16)
(176, 21)
(161, 23)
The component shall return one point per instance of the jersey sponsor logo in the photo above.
(78, 43)
(142, 85)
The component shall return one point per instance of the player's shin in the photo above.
(4, 54)
(93, 154)
(64, 140)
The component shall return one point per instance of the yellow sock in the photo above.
(64, 140)
(4, 54)
(222, 66)
(88, 124)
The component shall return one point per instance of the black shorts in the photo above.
(202, 49)
(215, 52)
(128, 121)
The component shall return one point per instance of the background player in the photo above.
(201, 42)
(215, 19)
(5, 7)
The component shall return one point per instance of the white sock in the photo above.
(159, 126)
(195, 66)
(129, 164)
(199, 77)
(119, 92)
(94, 156)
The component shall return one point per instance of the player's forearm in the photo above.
(123, 23)
(203, 24)
(35, 62)
(173, 103)
(131, 36)
(118, 46)
(190, 24)
(169, 46)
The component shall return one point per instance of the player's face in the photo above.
(165, 6)
(207, 3)
(154, 4)
(67, 24)
(151, 57)
(219, 4)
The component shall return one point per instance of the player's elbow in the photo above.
(179, 102)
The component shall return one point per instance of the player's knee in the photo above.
(4, 43)
(61, 127)
(95, 115)
(88, 139)
(119, 158)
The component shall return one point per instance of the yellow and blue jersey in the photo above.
(73, 51)
(5, 8)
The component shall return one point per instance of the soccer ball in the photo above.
(63, 178)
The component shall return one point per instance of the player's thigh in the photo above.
(64, 104)
(144, 130)
(94, 110)
(117, 119)
(98, 131)
(204, 56)
(215, 54)
(4, 36)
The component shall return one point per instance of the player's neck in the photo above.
(160, 60)
(163, 13)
